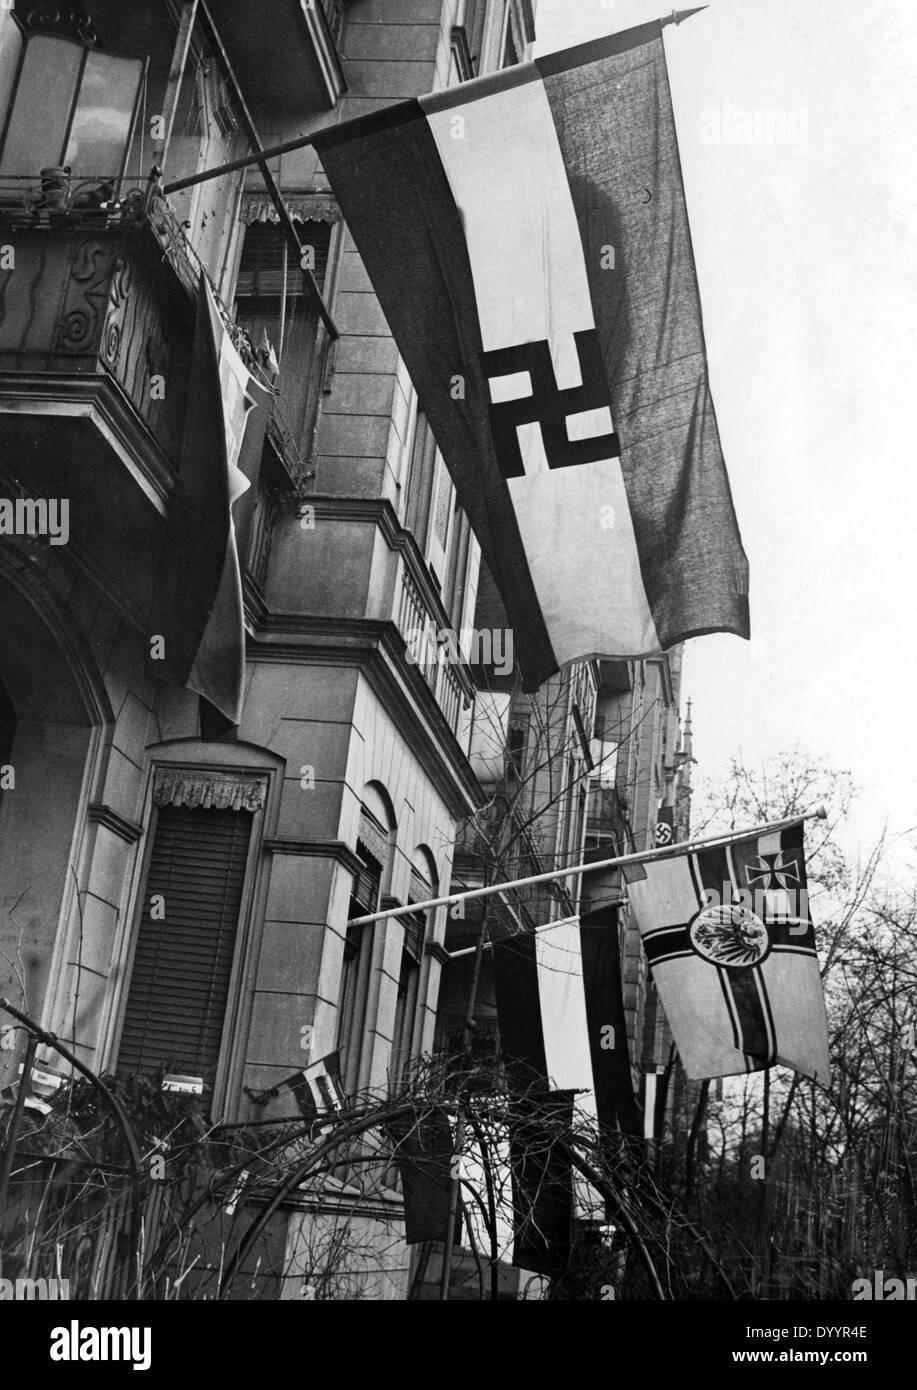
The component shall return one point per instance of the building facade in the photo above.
(175, 887)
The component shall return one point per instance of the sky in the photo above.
(806, 248)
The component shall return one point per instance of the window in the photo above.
(356, 968)
(456, 581)
(473, 21)
(276, 311)
(72, 106)
(183, 959)
(406, 1000)
(420, 481)
(439, 524)
(517, 740)
(510, 54)
(415, 930)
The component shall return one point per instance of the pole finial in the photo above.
(677, 16)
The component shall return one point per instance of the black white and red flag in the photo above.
(527, 237)
(729, 937)
(318, 1089)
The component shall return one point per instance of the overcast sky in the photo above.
(807, 259)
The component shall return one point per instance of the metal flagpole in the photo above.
(620, 861)
(302, 142)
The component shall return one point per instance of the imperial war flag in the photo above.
(527, 237)
(730, 941)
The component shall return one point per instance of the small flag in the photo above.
(665, 826)
(318, 1088)
(527, 237)
(730, 941)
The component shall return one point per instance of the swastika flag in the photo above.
(527, 238)
(731, 945)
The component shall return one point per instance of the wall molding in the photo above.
(127, 830)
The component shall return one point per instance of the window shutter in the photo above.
(366, 889)
(414, 930)
(263, 253)
(176, 1003)
(374, 837)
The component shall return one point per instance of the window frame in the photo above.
(132, 127)
(223, 1098)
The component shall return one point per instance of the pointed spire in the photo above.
(686, 741)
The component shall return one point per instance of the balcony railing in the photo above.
(418, 622)
(86, 291)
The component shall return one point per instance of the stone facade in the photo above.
(352, 760)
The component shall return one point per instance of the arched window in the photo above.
(424, 885)
(374, 849)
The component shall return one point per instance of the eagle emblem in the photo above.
(729, 935)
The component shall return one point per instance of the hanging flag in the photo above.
(544, 1039)
(665, 826)
(527, 237)
(541, 1005)
(424, 1149)
(615, 1104)
(318, 1088)
(730, 940)
(196, 608)
(561, 1012)
(542, 1183)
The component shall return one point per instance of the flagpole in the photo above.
(620, 861)
(302, 142)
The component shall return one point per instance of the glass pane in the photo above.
(102, 121)
(42, 105)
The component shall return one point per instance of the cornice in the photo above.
(314, 849)
(376, 649)
(100, 400)
(125, 829)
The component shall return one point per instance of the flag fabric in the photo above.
(542, 1184)
(654, 1095)
(665, 826)
(541, 1006)
(424, 1149)
(527, 237)
(730, 940)
(615, 1104)
(318, 1088)
(561, 1013)
(544, 1037)
(197, 601)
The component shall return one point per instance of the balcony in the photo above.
(97, 311)
(419, 617)
(285, 54)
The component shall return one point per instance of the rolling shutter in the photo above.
(266, 250)
(179, 986)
